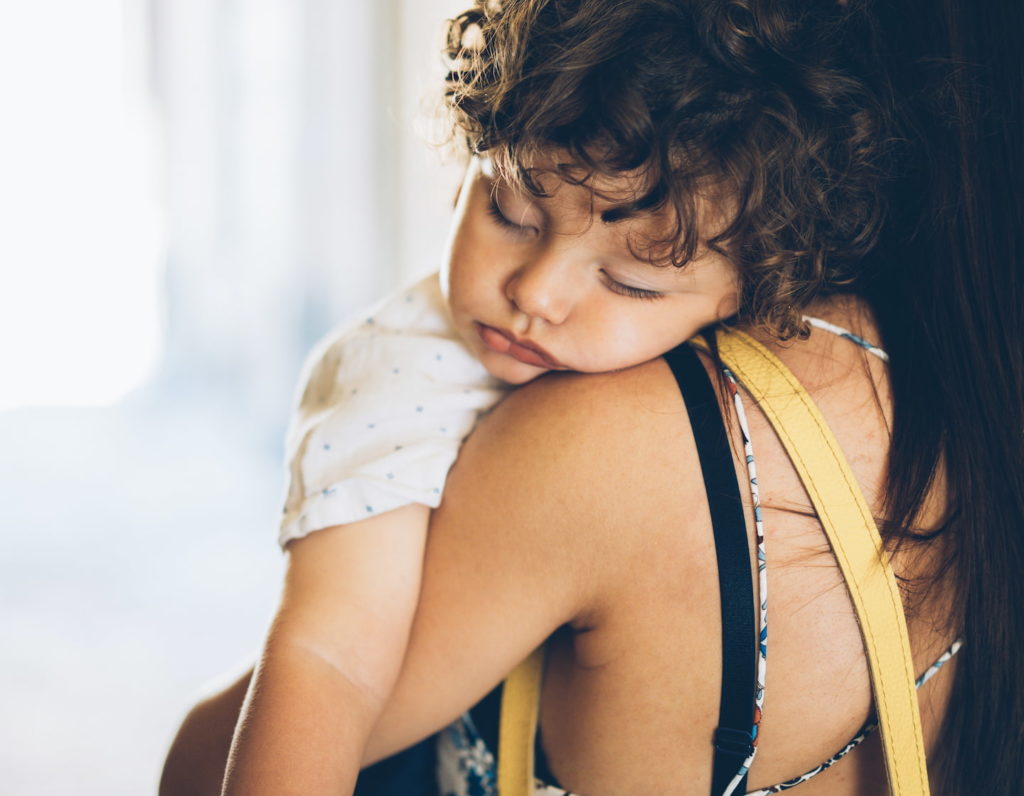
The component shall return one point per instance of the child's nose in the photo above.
(544, 288)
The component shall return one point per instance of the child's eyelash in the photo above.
(632, 292)
(495, 212)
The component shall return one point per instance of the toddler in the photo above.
(530, 284)
(557, 267)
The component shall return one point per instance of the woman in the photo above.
(577, 512)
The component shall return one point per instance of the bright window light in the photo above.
(79, 228)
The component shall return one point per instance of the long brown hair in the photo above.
(951, 309)
(873, 148)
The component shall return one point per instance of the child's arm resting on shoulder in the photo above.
(382, 412)
(331, 657)
(528, 539)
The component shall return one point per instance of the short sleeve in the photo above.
(383, 407)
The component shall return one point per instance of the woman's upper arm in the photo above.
(527, 539)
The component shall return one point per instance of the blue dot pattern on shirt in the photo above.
(416, 366)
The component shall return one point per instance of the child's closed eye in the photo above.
(495, 212)
(629, 290)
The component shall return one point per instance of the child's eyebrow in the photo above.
(609, 215)
(621, 212)
(617, 213)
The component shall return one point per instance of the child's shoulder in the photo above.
(404, 344)
(408, 319)
(417, 307)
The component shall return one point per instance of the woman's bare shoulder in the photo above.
(542, 514)
(568, 403)
(589, 459)
(581, 428)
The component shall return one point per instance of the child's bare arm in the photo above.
(530, 537)
(338, 639)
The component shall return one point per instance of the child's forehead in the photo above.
(558, 177)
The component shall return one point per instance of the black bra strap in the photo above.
(733, 741)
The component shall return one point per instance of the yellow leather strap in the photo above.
(520, 701)
(851, 530)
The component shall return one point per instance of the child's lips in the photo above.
(506, 343)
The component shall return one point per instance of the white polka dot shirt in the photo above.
(383, 407)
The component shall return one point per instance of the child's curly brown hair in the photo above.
(774, 107)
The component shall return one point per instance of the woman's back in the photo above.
(631, 693)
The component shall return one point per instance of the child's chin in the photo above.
(514, 373)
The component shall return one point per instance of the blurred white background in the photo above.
(192, 192)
